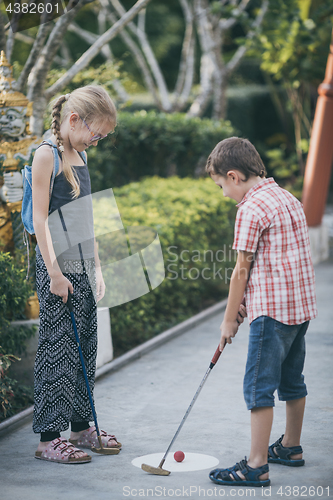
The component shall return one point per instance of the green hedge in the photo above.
(192, 217)
(154, 144)
(250, 110)
(14, 292)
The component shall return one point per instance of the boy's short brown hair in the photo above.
(235, 153)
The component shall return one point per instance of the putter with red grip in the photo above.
(101, 449)
(159, 470)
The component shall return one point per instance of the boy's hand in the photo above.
(241, 314)
(228, 331)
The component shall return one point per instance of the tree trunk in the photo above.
(189, 77)
(139, 32)
(36, 120)
(140, 61)
(292, 94)
(220, 77)
(10, 45)
(151, 59)
(214, 73)
(37, 47)
(200, 104)
(2, 33)
(220, 85)
(208, 63)
(187, 47)
(37, 77)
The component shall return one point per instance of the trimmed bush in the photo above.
(250, 109)
(14, 397)
(154, 144)
(195, 226)
(14, 292)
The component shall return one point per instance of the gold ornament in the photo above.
(16, 143)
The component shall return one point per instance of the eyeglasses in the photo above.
(95, 137)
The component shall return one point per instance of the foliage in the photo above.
(195, 226)
(14, 292)
(250, 108)
(282, 164)
(102, 75)
(5, 387)
(295, 42)
(13, 396)
(154, 144)
(293, 48)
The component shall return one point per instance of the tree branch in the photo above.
(188, 46)
(140, 61)
(2, 33)
(10, 44)
(24, 38)
(90, 38)
(226, 24)
(87, 36)
(149, 54)
(37, 47)
(89, 55)
(37, 77)
(241, 51)
(155, 68)
(208, 63)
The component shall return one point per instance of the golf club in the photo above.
(159, 470)
(103, 451)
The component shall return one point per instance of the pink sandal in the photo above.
(59, 450)
(86, 440)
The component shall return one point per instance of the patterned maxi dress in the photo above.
(60, 390)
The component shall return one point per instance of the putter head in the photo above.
(158, 471)
(105, 451)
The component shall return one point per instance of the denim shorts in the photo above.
(275, 362)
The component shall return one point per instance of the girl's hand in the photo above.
(100, 285)
(59, 286)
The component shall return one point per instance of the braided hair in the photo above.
(56, 116)
(69, 172)
(93, 104)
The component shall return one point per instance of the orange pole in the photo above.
(319, 163)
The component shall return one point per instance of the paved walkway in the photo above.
(144, 402)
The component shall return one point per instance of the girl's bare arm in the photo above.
(42, 169)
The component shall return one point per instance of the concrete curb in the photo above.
(118, 363)
(160, 339)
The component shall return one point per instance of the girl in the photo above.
(79, 120)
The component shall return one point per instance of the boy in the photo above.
(274, 274)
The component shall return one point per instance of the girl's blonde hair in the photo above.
(94, 105)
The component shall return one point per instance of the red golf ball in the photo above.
(179, 456)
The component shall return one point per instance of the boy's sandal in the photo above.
(87, 440)
(59, 450)
(229, 477)
(279, 454)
